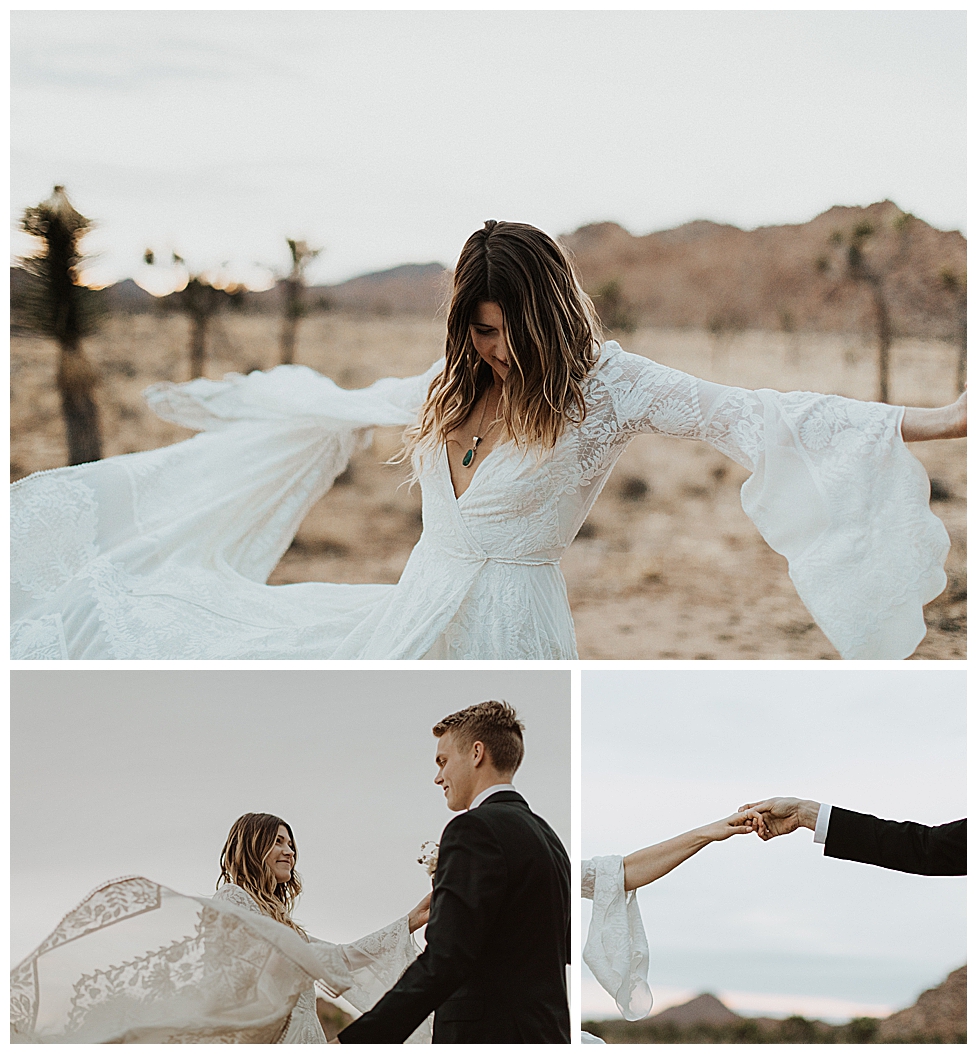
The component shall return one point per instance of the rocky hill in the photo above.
(716, 276)
(939, 1015)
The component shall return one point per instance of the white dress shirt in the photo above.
(479, 798)
(821, 827)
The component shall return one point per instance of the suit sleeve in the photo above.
(469, 895)
(899, 846)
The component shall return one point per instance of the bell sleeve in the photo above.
(616, 950)
(369, 967)
(230, 498)
(834, 489)
(362, 971)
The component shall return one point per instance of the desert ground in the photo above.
(667, 566)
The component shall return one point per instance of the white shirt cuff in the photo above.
(821, 827)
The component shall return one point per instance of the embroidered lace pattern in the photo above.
(616, 949)
(136, 962)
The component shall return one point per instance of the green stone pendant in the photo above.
(470, 456)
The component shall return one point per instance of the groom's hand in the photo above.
(419, 915)
(777, 816)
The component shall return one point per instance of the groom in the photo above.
(498, 938)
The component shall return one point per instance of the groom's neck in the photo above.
(490, 779)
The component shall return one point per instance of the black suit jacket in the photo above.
(899, 846)
(498, 938)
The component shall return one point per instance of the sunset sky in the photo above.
(387, 137)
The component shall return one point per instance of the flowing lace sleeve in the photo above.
(269, 445)
(834, 489)
(616, 949)
(290, 393)
(374, 964)
(360, 972)
(136, 962)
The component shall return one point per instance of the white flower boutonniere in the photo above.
(429, 857)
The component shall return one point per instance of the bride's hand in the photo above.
(419, 915)
(738, 823)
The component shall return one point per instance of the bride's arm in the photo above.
(943, 422)
(647, 865)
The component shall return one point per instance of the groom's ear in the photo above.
(478, 753)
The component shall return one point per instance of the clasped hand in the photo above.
(776, 816)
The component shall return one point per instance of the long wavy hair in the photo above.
(551, 327)
(243, 862)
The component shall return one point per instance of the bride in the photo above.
(165, 554)
(137, 962)
(616, 949)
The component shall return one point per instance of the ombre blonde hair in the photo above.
(551, 327)
(243, 862)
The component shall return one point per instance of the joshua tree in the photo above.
(871, 270)
(67, 311)
(614, 310)
(956, 285)
(293, 291)
(200, 300)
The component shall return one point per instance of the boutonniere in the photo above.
(429, 857)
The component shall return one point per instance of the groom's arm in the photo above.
(899, 846)
(469, 892)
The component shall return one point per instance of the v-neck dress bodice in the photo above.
(165, 554)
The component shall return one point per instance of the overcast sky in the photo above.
(776, 926)
(117, 773)
(389, 136)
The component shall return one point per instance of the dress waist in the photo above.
(524, 561)
(451, 550)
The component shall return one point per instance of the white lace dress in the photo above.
(616, 949)
(164, 554)
(136, 962)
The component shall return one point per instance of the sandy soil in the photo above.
(667, 567)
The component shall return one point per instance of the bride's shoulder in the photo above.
(613, 367)
(612, 360)
(234, 894)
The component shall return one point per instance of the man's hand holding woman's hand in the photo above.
(776, 816)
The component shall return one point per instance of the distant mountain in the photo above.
(705, 1009)
(409, 289)
(126, 297)
(412, 289)
(703, 275)
(938, 1016)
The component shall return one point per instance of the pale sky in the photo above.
(777, 927)
(143, 772)
(389, 136)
